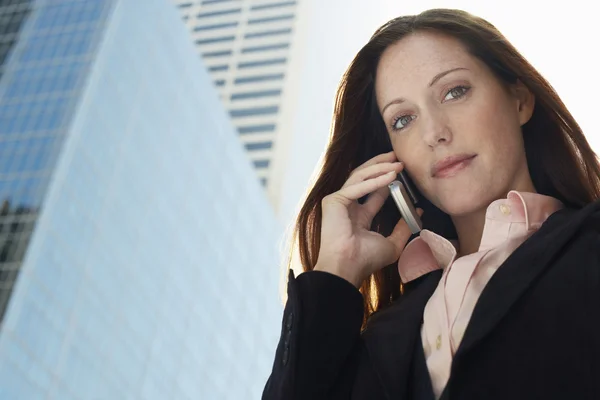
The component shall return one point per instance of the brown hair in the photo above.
(560, 160)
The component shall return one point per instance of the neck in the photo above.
(469, 229)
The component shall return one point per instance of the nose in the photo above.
(436, 130)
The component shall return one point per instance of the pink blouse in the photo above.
(509, 222)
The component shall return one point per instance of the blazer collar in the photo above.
(519, 271)
(391, 334)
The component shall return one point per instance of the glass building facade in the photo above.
(138, 254)
(40, 79)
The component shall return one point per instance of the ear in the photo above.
(525, 101)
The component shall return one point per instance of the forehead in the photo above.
(414, 60)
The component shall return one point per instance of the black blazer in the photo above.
(534, 332)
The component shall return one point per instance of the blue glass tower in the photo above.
(138, 252)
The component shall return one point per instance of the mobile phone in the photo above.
(405, 200)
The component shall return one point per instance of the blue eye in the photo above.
(457, 92)
(402, 121)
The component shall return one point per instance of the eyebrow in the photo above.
(433, 81)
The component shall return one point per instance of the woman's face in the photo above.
(455, 126)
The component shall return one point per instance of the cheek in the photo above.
(405, 148)
(415, 161)
(500, 136)
(497, 120)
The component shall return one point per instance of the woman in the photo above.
(499, 295)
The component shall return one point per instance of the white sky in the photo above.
(560, 40)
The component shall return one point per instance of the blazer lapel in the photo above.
(518, 273)
(391, 336)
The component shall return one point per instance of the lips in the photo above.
(449, 165)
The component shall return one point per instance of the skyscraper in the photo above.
(246, 47)
(138, 250)
(37, 88)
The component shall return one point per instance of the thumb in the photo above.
(400, 235)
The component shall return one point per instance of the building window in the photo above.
(185, 5)
(220, 12)
(273, 5)
(259, 146)
(270, 19)
(279, 46)
(216, 26)
(259, 78)
(268, 33)
(216, 68)
(255, 95)
(263, 181)
(219, 82)
(242, 130)
(212, 54)
(262, 63)
(251, 112)
(216, 40)
(205, 2)
(259, 164)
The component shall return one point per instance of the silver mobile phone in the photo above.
(405, 200)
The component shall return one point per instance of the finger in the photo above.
(375, 202)
(399, 236)
(354, 192)
(384, 157)
(373, 171)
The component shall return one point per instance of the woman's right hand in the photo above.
(349, 248)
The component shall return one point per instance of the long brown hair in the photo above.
(560, 160)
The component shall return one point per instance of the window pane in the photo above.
(220, 12)
(261, 164)
(273, 5)
(248, 112)
(256, 129)
(268, 33)
(270, 19)
(254, 95)
(259, 146)
(259, 78)
(262, 63)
